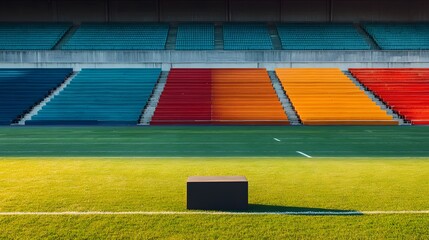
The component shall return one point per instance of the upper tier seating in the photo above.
(328, 97)
(101, 96)
(406, 91)
(219, 96)
(21, 89)
(246, 36)
(321, 36)
(31, 36)
(119, 36)
(195, 36)
(400, 36)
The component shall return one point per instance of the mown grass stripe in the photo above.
(318, 213)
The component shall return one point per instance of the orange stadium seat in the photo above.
(328, 97)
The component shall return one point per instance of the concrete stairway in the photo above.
(149, 110)
(171, 38)
(66, 37)
(218, 36)
(39, 106)
(285, 101)
(275, 39)
(376, 99)
(367, 37)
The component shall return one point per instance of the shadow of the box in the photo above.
(262, 208)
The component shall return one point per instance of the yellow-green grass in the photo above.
(159, 184)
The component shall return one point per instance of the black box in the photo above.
(217, 193)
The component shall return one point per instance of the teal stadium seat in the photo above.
(195, 36)
(101, 96)
(321, 36)
(31, 36)
(21, 89)
(246, 36)
(399, 36)
(119, 36)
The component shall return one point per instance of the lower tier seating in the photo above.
(101, 96)
(219, 96)
(328, 97)
(406, 91)
(21, 89)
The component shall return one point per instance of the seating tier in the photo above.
(219, 96)
(119, 36)
(328, 97)
(406, 91)
(101, 96)
(31, 36)
(21, 89)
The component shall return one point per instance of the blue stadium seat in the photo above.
(400, 36)
(31, 36)
(21, 89)
(321, 36)
(195, 36)
(119, 36)
(101, 96)
(246, 36)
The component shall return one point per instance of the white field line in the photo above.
(306, 155)
(316, 213)
(278, 140)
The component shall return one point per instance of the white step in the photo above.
(35, 110)
(149, 111)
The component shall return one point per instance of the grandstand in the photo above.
(196, 36)
(246, 36)
(100, 96)
(321, 36)
(22, 89)
(31, 36)
(400, 36)
(108, 106)
(328, 97)
(219, 96)
(404, 90)
(118, 36)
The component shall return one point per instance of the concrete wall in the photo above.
(214, 10)
(216, 59)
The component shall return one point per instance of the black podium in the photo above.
(227, 193)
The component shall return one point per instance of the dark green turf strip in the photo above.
(389, 141)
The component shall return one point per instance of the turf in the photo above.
(156, 184)
(336, 141)
(55, 169)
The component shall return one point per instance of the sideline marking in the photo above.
(306, 155)
(316, 213)
(278, 140)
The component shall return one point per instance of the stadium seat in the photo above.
(195, 36)
(31, 36)
(21, 89)
(246, 36)
(119, 36)
(101, 96)
(321, 36)
(406, 91)
(328, 97)
(219, 96)
(400, 36)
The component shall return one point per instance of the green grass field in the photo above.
(360, 169)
